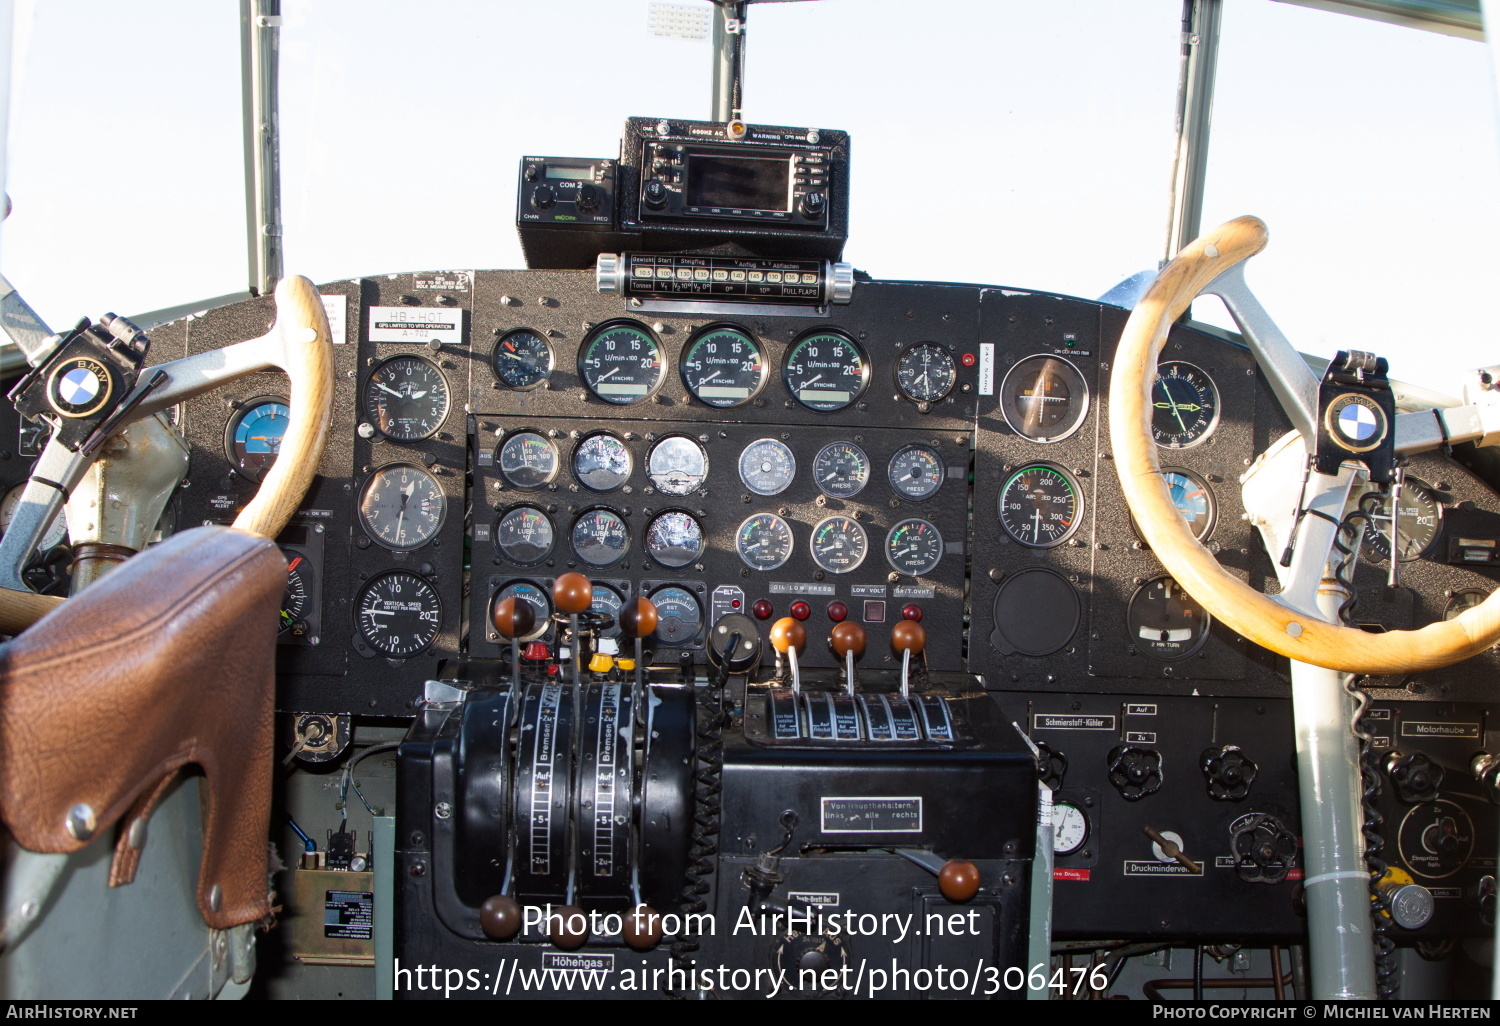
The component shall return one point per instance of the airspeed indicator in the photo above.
(1040, 505)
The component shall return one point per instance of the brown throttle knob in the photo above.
(500, 917)
(642, 928)
(513, 617)
(848, 637)
(572, 593)
(908, 636)
(787, 634)
(568, 927)
(638, 619)
(958, 880)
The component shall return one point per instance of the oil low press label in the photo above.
(872, 815)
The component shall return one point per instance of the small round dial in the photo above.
(722, 366)
(764, 541)
(527, 459)
(620, 363)
(607, 602)
(1070, 828)
(839, 544)
(674, 539)
(1462, 601)
(602, 463)
(600, 538)
(522, 359)
(914, 546)
(296, 600)
(398, 614)
(406, 398)
(825, 371)
(1419, 519)
(925, 372)
(841, 470)
(533, 595)
(524, 535)
(677, 465)
(402, 506)
(1185, 404)
(915, 472)
(1040, 505)
(1165, 622)
(767, 467)
(1044, 398)
(253, 436)
(679, 616)
(1193, 499)
(57, 531)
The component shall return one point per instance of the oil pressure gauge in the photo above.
(1070, 828)
(767, 467)
(841, 470)
(915, 472)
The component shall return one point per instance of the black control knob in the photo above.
(1263, 847)
(531, 172)
(543, 198)
(1228, 772)
(1486, 769)
(588, 200)
(1051, 765)
(654, 194)
(1135, 772)
(814, 205)
(1416, 778)
(1487, 900)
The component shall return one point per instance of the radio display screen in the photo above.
(577, 174)
(756, 183)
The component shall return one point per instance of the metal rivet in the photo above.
(215, 897)
(137, 834)
(29, 910)
(1294, 629)
(443, 810)
(81, 822)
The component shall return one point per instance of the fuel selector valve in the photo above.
(788, 638)
(1135, 772)
(1229, 772)
(848, 642)
(1264, 849)
(1417, 778)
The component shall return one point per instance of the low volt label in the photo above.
(872, 815)
(349, 915)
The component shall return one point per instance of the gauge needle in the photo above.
(607, 375)
(387, 388)
(1036, 519)
(812, 380)
(704, 381)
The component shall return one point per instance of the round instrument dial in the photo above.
(674, 539)
(1419, 520)
(925, 372)
(1193, 499)
(764, 541)
(296, 600)
(767, 467)
(406, 398)
(602, 463)
(677, 465)
(522, 360)
(841, 470)
(1463, 600)
(527, 459)
(722, 366)
(679, 616)
(825, 371)
(402, 506)
(914, 546)
(1185, 404)
(607, 602)
(1165, 622)
(839, 544)
(1044, 398)
(398, 614)
(524, 535)
(534, 596)
(253, 436)
(915, 472)
(600, 538)
(620, 363)
(1070, 828)
(1040, 505)
(57, 531)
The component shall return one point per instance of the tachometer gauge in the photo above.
(1040, 505)
(607, 602)
(925, 372)
(406, 398)
(1185, 404)
(764, 541)
(841, 470)
(398, 614)
(253, 436)
(527, 459)
(825, 371)
(600, 538)
(674, 539)
(402, 506)
(1044, 398)
(839, 544)
(722, 366)
(296, 600)
(677, 465)
(522, 359)
(533, 595)
(679, 616)
(915, 472)
(1070, 828)
(620, 363)
(1193, 499)
(767, 467)
(602, 463)
(914, 546)
(524, 535)
(57, 531)
(1164, 621)
(1419, 519)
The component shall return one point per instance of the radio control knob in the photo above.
(543, 197)
(588, 200)
(813, 204)
(655, 194)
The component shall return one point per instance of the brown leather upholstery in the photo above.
(170, 660)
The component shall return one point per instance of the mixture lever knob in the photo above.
(908, 638)
(572, 593)
(637, 620)
(848, 643)
(789, 638)
(513, 619)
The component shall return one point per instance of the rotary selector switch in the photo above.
(1417, 778)
(1228, 773)
(1135, 772)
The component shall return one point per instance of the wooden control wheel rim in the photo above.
(1257, 617)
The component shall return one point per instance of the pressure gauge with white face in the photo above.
(1070, 828)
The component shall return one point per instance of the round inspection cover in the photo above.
(1036, 613)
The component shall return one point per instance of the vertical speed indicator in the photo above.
(620, 363)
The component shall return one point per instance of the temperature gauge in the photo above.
(522, 360)
(722, 367)
(607, 602)
(679, 616)
(524, 535)
(602, 463)
(532, 595)
(767, 467)
(527, 459)
(1044, 398)
(296, 600)
(677, 465)
(600, 538)
(674, 539)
